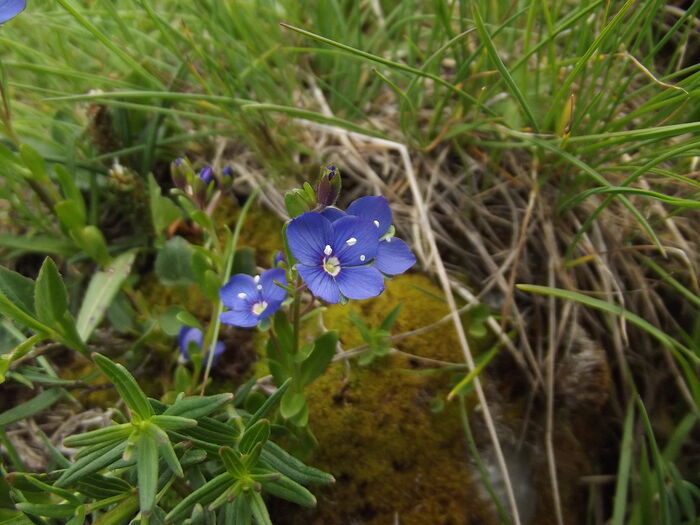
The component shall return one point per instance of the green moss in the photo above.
(391, 455)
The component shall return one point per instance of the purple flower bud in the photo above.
(189, 335)
(206, 175)
(181, 172)
(227, 171)
(279, 259)
(328, 186)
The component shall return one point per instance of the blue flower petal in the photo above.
(239, 284)
(320, 283)
(333, 214)
(243, 318)
(271, 293)
(360, 282)
(10, 9)
(355, 241)
(218, 350)
(307, 235)
(394, 257)
(186, 336)
(374, 209)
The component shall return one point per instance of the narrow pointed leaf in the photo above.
(168, 422)
(101, 435)
(282, 461)
(147, 472)
(257, 433)
(257, 505)
(290, 490)
(126, 385)
(195, 407)
(90, 464)
(203, 495)
(320, 357)
(269, 403)
(233, 463)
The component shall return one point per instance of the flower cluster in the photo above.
(339, 254)
(346, 254)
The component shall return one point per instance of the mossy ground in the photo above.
(392, 456)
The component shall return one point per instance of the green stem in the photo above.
(295, 316)
(229, 256)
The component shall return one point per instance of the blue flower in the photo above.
(279, 259)
(393, 255)
(10, 9)
(334, 257)
(251, 299)
(189, 335)
(206, 175)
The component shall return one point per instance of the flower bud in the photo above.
(206, 175)
(328, 186)
(181, 172)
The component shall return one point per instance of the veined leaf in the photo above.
(147, 472)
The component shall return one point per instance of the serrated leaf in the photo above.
(126, 385)
(257, 433)
(174, 263)
(147, 472)
(101, 292)
(321, 356)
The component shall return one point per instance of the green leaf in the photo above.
(35, 163)
(121, 513)
(163, 210)
(32, 407)
(50, 297)
(126, 385)
(242, 515)
(390, 319)
(70, 215)
(169, 422)
(295, 203)
(290, 490)
(282, 461)
(66, 181)
(292, 403)
(147, 472)
(483, 361)
(257, 433)
(91, 463)
(47, 510)
(244, 261)
(195, 407)
(167, 452)
(233, 462)
(257, 505)
(174, 263)
(18, 289)
(20, 350)
(101, 435)
(269, 403)
(203, 495)
(92, 242)
(38, 244)
(101, 292)
(321, 356)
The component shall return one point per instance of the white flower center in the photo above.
(351, 241)
(331, 265)
(259, 307)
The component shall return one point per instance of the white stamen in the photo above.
(242, 295)
(351, 241)
(328, 250)
(259, 307)
(376, 223)
(256, 278)
(362, 258)
(259, 287)
(331, 266)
